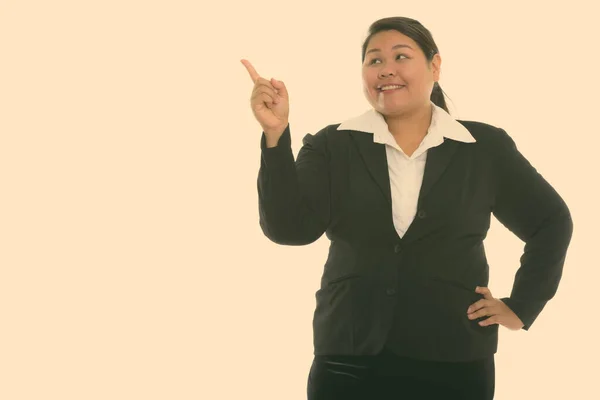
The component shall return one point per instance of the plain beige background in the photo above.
(132, 265)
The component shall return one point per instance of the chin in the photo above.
(390, 109)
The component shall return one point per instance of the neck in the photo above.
(412, 124)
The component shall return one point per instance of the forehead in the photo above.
(385, 40)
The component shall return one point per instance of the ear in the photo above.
(436, 65)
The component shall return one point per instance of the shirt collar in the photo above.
(443, 125)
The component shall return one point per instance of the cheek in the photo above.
(418, 78)
(365, 87)
(368, 82)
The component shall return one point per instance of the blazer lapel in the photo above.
(438, 158)
(375, 159)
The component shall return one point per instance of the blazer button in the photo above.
(421, 214)
(391, 291)
(397, 248)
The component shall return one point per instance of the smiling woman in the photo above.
(393, 61)
(404, 307)
(401, 70)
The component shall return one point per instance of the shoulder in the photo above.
(489, 137)
(325, 136)
(328, 131)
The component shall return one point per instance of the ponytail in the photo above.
(437, 97)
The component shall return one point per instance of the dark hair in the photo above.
(417, 32)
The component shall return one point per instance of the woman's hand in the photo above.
(270, 103)
(497, 311)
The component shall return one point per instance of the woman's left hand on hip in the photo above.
(495, 309)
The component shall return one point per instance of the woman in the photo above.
(405, 194)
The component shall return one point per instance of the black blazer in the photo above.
(411, 294)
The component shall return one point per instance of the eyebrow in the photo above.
(393, 48)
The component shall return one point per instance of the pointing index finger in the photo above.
(253, 74)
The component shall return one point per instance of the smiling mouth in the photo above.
(389, 88)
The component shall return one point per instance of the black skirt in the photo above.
(387, 376)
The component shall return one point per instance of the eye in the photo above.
(377, 59)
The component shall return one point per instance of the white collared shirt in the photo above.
(406, 173)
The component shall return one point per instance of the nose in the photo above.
(385, 74)
(386, 71)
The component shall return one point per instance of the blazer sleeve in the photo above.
(530, 208)
(294, 195)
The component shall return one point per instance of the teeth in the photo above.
(390, 87)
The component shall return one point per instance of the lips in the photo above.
(389, 87)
